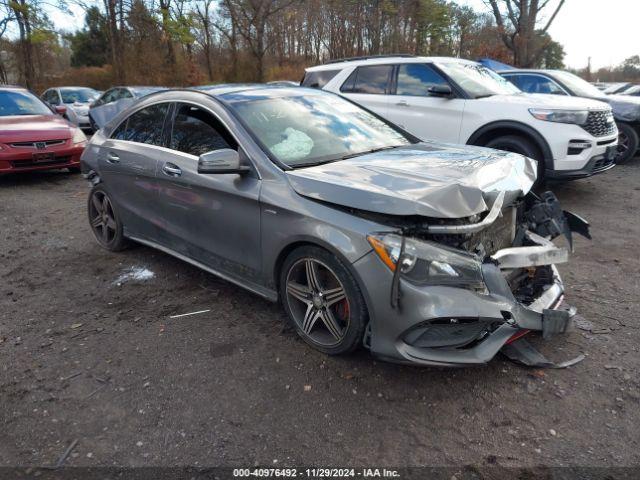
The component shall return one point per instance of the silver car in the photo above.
(423, 253)
(76, 101)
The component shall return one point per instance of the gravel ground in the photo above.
(89, 355)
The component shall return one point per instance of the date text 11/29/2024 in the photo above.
(316, 473)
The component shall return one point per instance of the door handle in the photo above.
(113, 158)
(402, 103)
(171, 170)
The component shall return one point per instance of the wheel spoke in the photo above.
(331, 323)
(312, 275)
(111, 223)
(299, 292)
(96, 203)
(310, 317)
(97, 222)
(105, 204)
(334, 295)
(105, 234)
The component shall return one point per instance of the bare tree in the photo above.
(518, 24)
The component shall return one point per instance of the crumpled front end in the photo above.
(456, 294)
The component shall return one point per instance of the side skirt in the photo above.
(266, 293)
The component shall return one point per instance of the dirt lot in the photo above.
(85, 357)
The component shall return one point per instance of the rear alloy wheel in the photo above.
(105, 225)
(323, 301)
(627, 143)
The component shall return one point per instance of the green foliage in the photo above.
(90, 46)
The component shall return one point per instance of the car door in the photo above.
(211, 218)
(128, 162)
(369, 86)
(413, 107)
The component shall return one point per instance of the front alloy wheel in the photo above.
(323, 301)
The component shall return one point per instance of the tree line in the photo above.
(188, 42)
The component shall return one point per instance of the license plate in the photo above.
(611, 152)
(43, 157)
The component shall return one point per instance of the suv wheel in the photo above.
(628, 143)
(521, 145)
(323, 301)
(104, 220)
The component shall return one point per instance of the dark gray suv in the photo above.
(424, 253)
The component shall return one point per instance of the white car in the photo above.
(76, 100)
(460, 101)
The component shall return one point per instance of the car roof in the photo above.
(527, 70)
(386, 59)
(11, 87)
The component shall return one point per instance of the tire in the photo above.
(329, 319)
(74, 169)
(628, 143)
(521, 145)
(100, 223)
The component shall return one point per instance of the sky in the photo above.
(605, 30)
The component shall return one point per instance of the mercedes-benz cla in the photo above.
(424, 253)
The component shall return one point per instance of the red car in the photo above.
(34, 137)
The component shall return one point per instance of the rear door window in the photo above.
(415, 79)
(319, 78)
(144, 126)
(195, 131)
(372, 79)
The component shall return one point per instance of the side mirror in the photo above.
(440, 91)
(60, 109)
(221, 162)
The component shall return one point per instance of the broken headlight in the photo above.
(428, 263)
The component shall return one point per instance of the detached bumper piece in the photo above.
(524, 353)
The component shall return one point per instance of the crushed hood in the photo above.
(428, 179)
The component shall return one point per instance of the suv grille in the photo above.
(600, 123)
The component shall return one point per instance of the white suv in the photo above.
(459, 101)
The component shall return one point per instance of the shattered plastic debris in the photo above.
(139, 274)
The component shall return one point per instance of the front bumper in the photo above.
(447, 326)
(598, 164)
(13, 160)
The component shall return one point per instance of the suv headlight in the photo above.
(429, 263)
(79, 137)
(577, 117)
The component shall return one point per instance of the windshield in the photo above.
(476, 80)
(315, 128)
(80, 95)
(632, 90)
(21, 103)
(580, 87)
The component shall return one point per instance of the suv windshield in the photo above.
(580, 87)
(477, 81)
(315, 128)
(21, 103)
(81, 95)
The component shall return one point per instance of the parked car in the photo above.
(459, 101)
(35, 137)
(626, 110)
(76, 100)
(114, 100)
(634, 91)
(426, 253)
(617, 88)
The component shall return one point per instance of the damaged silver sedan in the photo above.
(424, 253)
